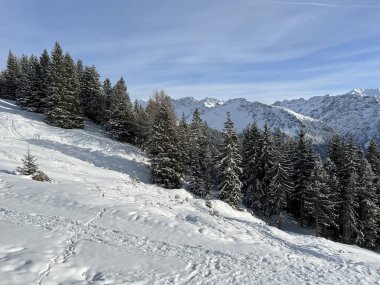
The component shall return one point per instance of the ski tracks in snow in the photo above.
(71, 244)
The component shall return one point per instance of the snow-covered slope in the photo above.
(101, 222)
(355, 114)
(244, 113)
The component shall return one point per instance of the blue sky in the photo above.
(257, 49)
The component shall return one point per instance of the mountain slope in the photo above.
(244, 113)
(102, 222)
(355, 114)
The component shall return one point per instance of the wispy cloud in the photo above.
(322, 4)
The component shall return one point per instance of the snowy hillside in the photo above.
(244, 113)
(102, 222)
(355, 114)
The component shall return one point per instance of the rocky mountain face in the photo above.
(355, 114)
(243, 113)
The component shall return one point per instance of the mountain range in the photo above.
(354, 114)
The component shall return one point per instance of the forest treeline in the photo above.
(269, 172)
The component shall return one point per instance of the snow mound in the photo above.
(102, 222)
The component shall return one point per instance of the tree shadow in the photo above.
(99, 159)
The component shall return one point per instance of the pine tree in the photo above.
(29, 165)
(24, 86)
(303, 166)
(183, 146)
(349, 209)
(12, 74)
(93, 101)
(42, 82)
(72, 95)
(229, 170)
(107, 93)
(261, 195)
(121, 123)
(319, 200)
(142, 125)
(2, 84)
(280, 174)
(251, 153)
(336, 198)
(373, 157)
(368, 216)
(163, 149)
(197, 141)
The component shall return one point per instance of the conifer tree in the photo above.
(24, 86)
(319, 200)
(142, 125)
(107, 93)
(260, 197)
(229, 170)
(71, 102)
(251, 153)
(349, 213)
(368, 216)
(93, 101)
(2, 84)
(12, 74)
(336, 195)
(42, 82)
(373, 157)
(29, 165)
(183, 146)
(121, 123)
(280, 174)
(163, 149)
(303, 166)
(197, 144)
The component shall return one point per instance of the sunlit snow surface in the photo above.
(102, 222)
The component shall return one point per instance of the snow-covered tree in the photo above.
(251, 153)
(63, 106)
(369, 211)
(229, 170)
(29, 165)
(163, 149)
(303, 166)
(12, 74)
(280, 174)
(121, 122)
(24, 86)
(319, 200)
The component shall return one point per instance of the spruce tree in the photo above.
(42, 81)
(141, 125)
(29, 165)
(183, 147)
(197, 141)
(93, 101)
(24, 86)
(261, 195)
(12, 74)
(280, 174)
(303, 166)
(251, 153)
(349, 213)
(163, 149)
(121, 122)
(72, 104)
(368, 212)
(229, 170)
(319, 200)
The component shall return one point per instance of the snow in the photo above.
(244, 113)
(101, 222)
(355, 114)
